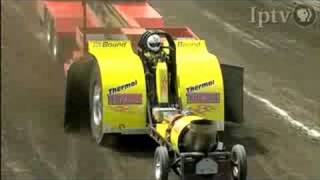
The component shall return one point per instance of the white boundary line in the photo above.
(259, 44)
(285, 115)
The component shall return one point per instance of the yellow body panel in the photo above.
(161, 128)
(123, 83)
(177, 129)
(199, 75)
(162, 82)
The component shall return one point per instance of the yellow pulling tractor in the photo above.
(167, 86)
(145, 78)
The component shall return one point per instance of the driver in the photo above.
(154, 43)
(153, 54)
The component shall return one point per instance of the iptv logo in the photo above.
(303, 15)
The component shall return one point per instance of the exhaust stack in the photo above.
(201, 136)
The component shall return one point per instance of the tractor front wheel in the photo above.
(239, 160)
(161, 163)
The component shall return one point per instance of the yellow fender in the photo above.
(124, 88)
(200, 81)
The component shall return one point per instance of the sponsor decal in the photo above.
(114, 44)
(119, 99)
(193, 98)
(202, 109)
(108, 44)
(200, 86)
(120, 108)
(122, 87)
(123, 98)
(97, 44)
(189, 44)
(124, 109)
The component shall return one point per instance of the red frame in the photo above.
(139, 14)
(68, 21)
(67, 16)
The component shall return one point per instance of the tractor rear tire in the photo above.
(77, 95)
(161, 163)
(96, 104)
(239, 160)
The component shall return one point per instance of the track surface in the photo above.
(281, 64)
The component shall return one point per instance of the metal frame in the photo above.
(179, 161)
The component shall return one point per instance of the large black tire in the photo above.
(239, 160)
(96, 104)
(161, 163)
(77, 95)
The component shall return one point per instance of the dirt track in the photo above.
(34, 145)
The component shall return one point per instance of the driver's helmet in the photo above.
(154, 43)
